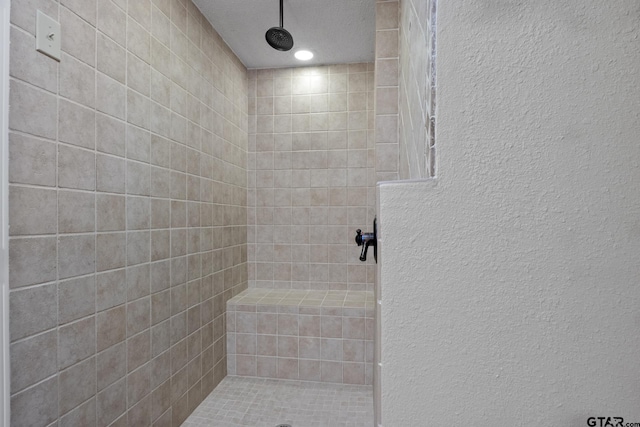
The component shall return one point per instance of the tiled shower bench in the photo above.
(306, 335)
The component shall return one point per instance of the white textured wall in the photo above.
(510, 286)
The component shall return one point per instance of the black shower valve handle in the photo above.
(365, 240)
(365, 247)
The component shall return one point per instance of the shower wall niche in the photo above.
(311, 169)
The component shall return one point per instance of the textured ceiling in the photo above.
(336, 31)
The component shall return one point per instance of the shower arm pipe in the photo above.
(281, 15)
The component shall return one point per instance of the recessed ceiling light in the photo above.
(303, 55)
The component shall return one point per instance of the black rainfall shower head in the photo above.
(279, 38)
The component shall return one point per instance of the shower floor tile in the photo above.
(241, 401)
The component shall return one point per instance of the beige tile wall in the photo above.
(417, 89)
(127, 212)
(386, 91)
(311, 176)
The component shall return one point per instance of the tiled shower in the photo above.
(153, 178)
(311, 169)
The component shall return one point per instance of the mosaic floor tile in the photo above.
(255, 402)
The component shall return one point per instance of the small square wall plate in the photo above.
(48, 36)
